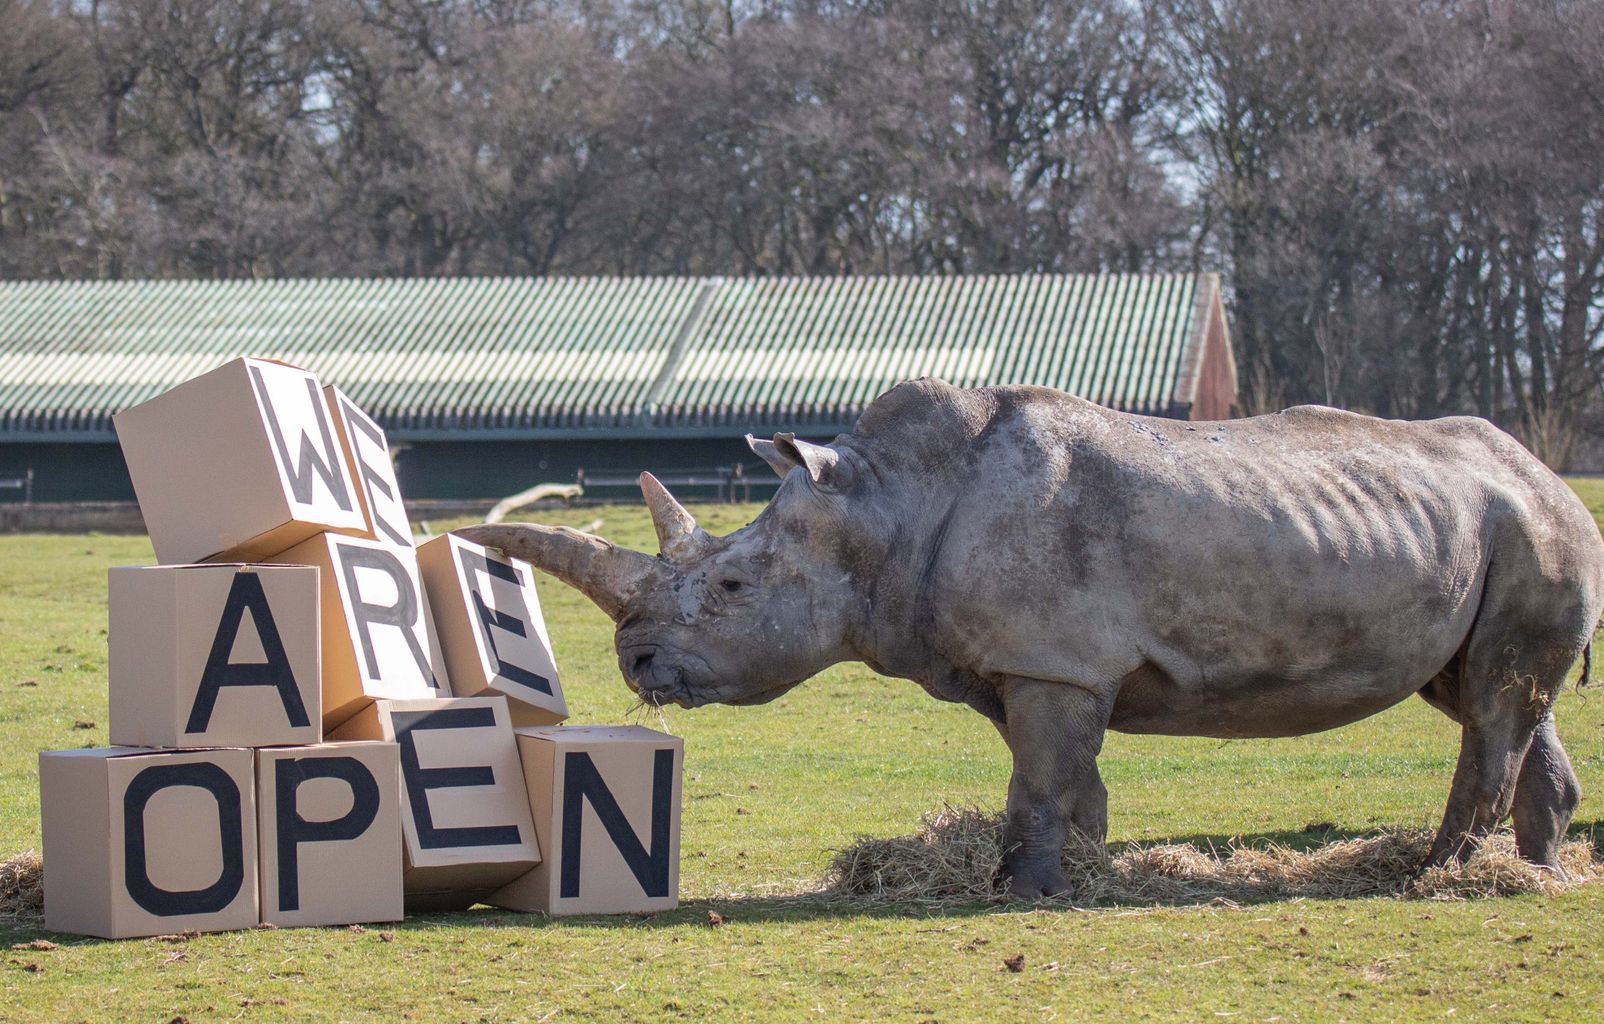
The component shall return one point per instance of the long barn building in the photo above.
(489, 385)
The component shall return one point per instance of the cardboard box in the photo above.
(487, 616)
(606, 803)
(367, 457)
(213, 655)
(142, 842)
(329, 817)
(464, 811)
(378, 638)
(237, 464)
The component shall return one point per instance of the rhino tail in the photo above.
(1587, 664)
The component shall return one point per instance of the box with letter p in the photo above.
(491, 631)
(330, 822)
(213, 655)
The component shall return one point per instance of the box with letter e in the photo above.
(492, 634)
(464, 813)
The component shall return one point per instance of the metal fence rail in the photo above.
(23, 483)
(731, 483)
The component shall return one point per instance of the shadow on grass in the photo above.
(824, 905)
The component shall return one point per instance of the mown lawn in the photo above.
(769, 793)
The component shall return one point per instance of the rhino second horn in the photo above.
(604, 572)
(678, 536)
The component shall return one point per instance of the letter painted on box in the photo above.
(404, 614)
(418, 780)
(246, 596)
(231, 834)
(474, 566)
(293, 830)
(583, 783)
(372, 477)
(322, 463)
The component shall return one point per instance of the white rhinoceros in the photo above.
(1065, 569)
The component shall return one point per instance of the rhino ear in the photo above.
(824, 465)
(770, 453)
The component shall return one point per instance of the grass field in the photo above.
(769, 793)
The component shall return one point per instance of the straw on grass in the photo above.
(22, 886)
(956, 854)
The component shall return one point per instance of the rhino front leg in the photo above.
(1055, 732)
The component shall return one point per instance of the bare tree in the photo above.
(1407, 198)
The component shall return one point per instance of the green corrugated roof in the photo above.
(532, 357)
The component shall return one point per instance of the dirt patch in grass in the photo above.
(22, 886)
(956, 856)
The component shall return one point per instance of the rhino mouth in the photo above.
(660, 677)
(656, 677)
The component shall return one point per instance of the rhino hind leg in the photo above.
(1512, 668)
(1089, 815)
(1546, 796)
(1490, 755)
(1055, 732)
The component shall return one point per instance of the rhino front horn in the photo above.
(678, 537)
(604, 572)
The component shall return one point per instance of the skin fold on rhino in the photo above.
(1065, 569)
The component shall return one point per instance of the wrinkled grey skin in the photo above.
(1065, 569)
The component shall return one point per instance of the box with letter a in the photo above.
(487, 615)
(213, 655)
(464, 811)
(143, 842)
(237, 464)
(605, 800)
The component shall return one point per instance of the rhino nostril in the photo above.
(639, 666)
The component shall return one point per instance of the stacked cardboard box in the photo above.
(318, 723)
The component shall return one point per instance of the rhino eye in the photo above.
(731, 586)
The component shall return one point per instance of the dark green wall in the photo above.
(67, 472)
(428, 469)
(495, 469)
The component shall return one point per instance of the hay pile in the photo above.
(956, 854)
(22, 886)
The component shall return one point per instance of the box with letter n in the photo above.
(492, 634)
(142, 842)
(330, 826)
(606, 804)
(213, 655)
(378, 639)
(257, 433)
(464, 811)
